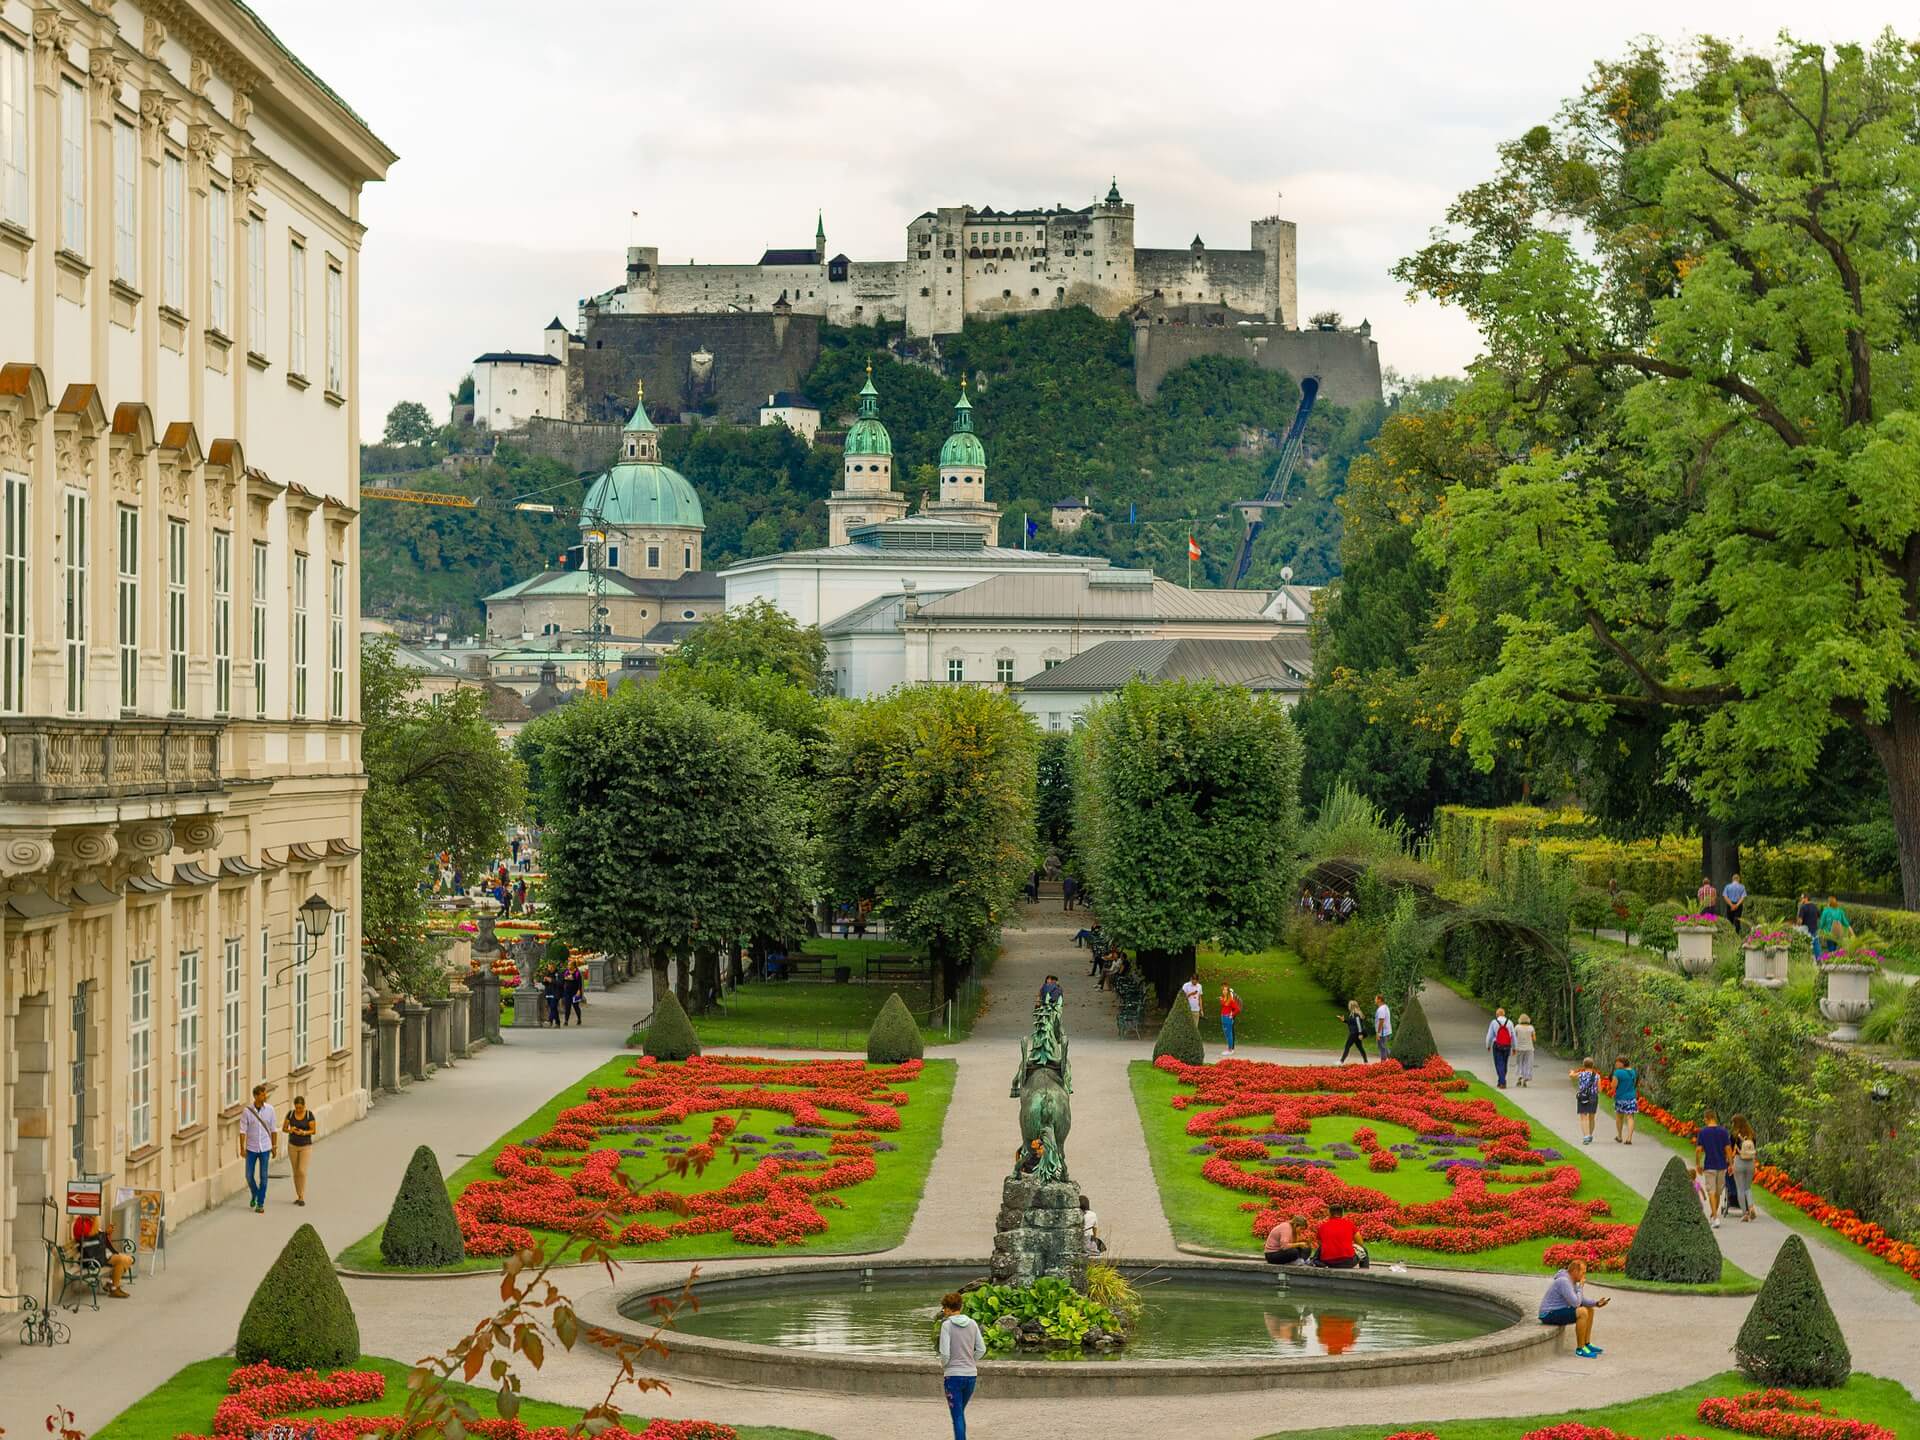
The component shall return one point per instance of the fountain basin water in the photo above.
(855, 1328)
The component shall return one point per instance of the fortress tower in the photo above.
(866, 492)
(963, 476)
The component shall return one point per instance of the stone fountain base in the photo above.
(1040, 1232)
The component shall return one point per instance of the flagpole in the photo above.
(1023, 530)
(1189, 550)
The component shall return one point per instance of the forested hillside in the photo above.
(1053, 400)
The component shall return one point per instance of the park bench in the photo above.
(896, 967)
(1132, 994)
(85, 1274)
(803, 965)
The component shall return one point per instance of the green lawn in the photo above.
(1883, 1402)
(876, 1216)
(1283, 1005)
(1208, 1215)
(185, 1404)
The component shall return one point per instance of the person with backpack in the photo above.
(1586, 1097)
(1500, 1039)
(1356, 1032)
(1626, 1100)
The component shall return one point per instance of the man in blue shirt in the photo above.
(1566, 1303)
(1736, 897)
(1710, 1153)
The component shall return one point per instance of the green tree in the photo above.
(1790, 1338)
(408, 423)
(438, 779)
(1189, 807)
(757, 638)
(668, 827)
(927, 805)
(1053, 802)
(1696, 285)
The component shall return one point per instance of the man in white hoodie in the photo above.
(961, 1346)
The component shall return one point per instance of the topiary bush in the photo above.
(1412, 1040)
(1790, 1338)
(894, 1036)
(422, 1232)
(299, 1317)
(1674, 1243)
(1180, 1037)
(670, 1033)
(1906, 1034)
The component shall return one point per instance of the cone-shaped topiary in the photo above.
(670, 1034)
(1790, 1338)
(422, 1232)
(1674, 1243)
(299, 1318)
(894, 1036)
(1180, 1036)
(1412, 1040)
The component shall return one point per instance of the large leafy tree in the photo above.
(668, 827)
(438, 779)
(757, 638)
(1697, 289)
(927, 805)
(1188, 809)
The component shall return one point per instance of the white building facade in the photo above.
(511, 387)
(179, 572)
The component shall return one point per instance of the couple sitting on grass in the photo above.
(1333, 1246)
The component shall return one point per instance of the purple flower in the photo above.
(1201, 1149)
(746, 1139)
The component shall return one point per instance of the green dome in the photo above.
(639, 493)
(867, 436)
(963, 447)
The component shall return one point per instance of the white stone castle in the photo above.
(962, 262)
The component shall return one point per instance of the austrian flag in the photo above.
(1193, 548)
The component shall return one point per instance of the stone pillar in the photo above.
(599, 974)
(1040, 1232)
(490, 1007)
(439, 1031)
(369, 1057)
(413, 1040)
(392, 1078)
(528, 1007)
(459, 1023)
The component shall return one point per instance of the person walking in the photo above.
(1566, 1303)
(574, 991)
(1069, 887)
(1382, 1025)
(1523, 1051)
(1710, 1145)
(1229, 1013)
(961, 1345)
(1626, 1100)
(1706, 895)
(1736, 897)
(1500, 1042)
(1356, 1033)
(1746, 1160)
(1836, 929)
(300, 1126)
(1194, 993)
(259, 1143)
(550, 994)
(1586, 1097)
(1809, 916)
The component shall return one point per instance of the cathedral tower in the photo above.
(866, 492)
(963, 475)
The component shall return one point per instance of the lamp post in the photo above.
(315, 912)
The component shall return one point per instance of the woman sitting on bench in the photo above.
(94, 1244)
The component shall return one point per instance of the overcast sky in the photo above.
(529, 134)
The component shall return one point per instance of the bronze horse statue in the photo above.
(1041, 1085)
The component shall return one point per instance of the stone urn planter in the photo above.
(1847, 1001)
(1696, 950)
(1766, 966)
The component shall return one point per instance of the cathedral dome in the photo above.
(867, 436)
(633, 495)
(963, 447)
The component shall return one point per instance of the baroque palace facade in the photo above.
(179, 581)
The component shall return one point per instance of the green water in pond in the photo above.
(1185, 1319)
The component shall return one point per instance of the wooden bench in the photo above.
(803, 965)
(896, 967)
(86, 1274)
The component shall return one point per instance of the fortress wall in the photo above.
(1234, 278)
(753, 355)
(1347, 362)
(707, 289)
(873, 290)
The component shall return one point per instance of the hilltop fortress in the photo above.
(961, 263)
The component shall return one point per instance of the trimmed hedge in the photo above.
(894, 1036)
(422, 1232)
(1180, 1037)
(1790, 1338)
(1412, 1040)
(299, 1318)
(1674, 1243)
(670, 1033)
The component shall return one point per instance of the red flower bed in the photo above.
(262, 1394)
(569, 1182)
(1289, 1098)
(1776, 1414)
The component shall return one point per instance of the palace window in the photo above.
(177, 616)
(956, 671)
(232, 1020)
(296, 308)
(222, 622)
(13, 133)
(299, 635)
(1003, 671)
(257, 284)
(336, 331)
(302, 1016)
(126, 204)
(127, 603)
(259, 629)
(219, 221)
(73, 168)
(76, 596)
(266, 968)
(188, 1092)
(337, 641)
(339, 982)
(140, 1054)
(13, 590)
(173, 232)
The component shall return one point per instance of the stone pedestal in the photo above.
(489, 1008)
(486, 944)
(1848, 999)
(528, 1006)
(599, 973)
(413, 1040)
(391, 1075)
(440, 1031)
(1765, 966)
(1696, 951)
(459, 1024)
(1040, 1232)
(369, 1057)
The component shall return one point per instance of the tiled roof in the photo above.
(878, 616)
(1110, 595)
(693, 585)
(790, 257)
(513, 357)
(1284, 662)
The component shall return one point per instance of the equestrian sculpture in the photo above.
(1041, 1085)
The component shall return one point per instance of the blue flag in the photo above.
(1033, 528)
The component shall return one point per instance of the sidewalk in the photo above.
(192, 1308)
